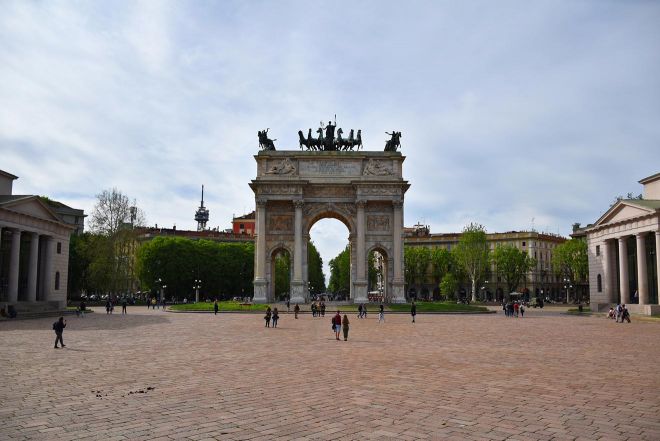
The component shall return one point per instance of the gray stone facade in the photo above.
(364, 190)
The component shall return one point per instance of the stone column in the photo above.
(642, 276)
(657, 262)
(14, 256)
(297, 284)
(607, 272)
(398, 291)
(49, 282)
(260, 283)
(32, 269)
(360, 283)
(623, 270)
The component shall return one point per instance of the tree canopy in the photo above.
(472, 254)
(513, 264)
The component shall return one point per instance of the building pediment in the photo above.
(31, 206)
(623, 210)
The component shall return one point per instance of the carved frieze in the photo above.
(338, 207)
(279, 189)
(280, 223)
(380, 191)
(377, 168)
(283, 167)
(329, 192)
(378, 222)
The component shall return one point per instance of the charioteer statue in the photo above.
(264, 142)
(394, 142)
(329, 142)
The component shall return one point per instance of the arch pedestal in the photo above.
(364, 190)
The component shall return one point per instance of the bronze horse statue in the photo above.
(264, 142)
(393, 143)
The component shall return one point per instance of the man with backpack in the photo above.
(58, 327)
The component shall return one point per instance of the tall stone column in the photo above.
(260, 283)
(297, 284)
(623, 270)
(14, 257)
(642, 276)
(49, 282)
(360, 283)
(657, 263)
(398, 282)
(32, 269)
(607, 272)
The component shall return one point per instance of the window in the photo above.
(599, 283)
(523, 243)
(597, 250)
(241, 226)
(59, 247)
(57, 281)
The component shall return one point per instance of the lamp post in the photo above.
(159, 281)
(197, 285)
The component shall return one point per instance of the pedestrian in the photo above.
(381, 314)
(322, 309)
(267, 317)
(360, 310)
(288, 306)
(516, 308)
(215, 307)
(83, 307)
(276, 317)
(124, 303)
(413, 310)
(618, 312)
(344, 326)
(364, 311)
(296, 310)
(58, 327)
(522, 311)
(611, 314)
(108, 307)
(336, 324)
(313, 309)
(625, 315)
(506, 311)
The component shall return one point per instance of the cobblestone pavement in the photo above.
(155, 375)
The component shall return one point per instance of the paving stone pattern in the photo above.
(163, 376)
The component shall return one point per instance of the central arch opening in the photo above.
(329, 237)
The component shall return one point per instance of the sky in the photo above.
(514, 114)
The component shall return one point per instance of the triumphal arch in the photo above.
(363, 189)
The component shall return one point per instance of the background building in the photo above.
(244, 224)
(623, 252)
(541, 281)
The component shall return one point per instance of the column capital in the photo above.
(298, 203)
(361, 203)
(642, 234)
(261, 202)
(397, 204)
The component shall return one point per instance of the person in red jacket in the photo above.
(336, 324)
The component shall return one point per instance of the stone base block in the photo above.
(298, 292)
(643, 309)
(398, 293)
(359, 292)
(260, 291)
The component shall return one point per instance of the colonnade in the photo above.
(609, 275)
(37, 241)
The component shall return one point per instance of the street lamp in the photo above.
(197, 285)
(159, 281)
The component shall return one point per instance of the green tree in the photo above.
(570, 261)
(225, 269)
(448, 285)
(411, 262)
(315, 274)
(340, 272)
(513, 264)
(472, 254)
(442, 262)
(282, 275)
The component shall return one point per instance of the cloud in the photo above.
(510, 112)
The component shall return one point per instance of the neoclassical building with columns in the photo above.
(34, 251)
(623, 253)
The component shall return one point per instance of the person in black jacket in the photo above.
(58, 327)
(413, 311)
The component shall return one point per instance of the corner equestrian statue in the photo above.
(393, 144)
(264, 142)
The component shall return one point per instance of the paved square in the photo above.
(544, 377)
